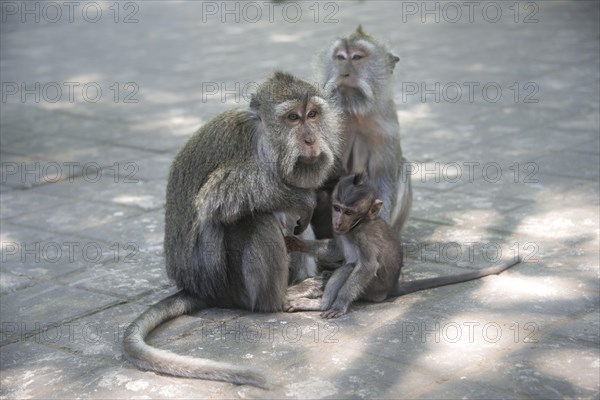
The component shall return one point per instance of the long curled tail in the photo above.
(403, 288)
(151, 358)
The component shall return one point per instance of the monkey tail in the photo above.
(403, 288)
(151, 358)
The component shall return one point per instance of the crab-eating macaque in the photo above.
(369, 253)
(358, 73)
(223, 242)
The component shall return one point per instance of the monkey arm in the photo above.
(246, 188)
(337, 280)
(358, 280)
(324, 250)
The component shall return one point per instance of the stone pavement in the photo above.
(499, 107)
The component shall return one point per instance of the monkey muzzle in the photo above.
(347, 81)
(342, 230)
(309, 160)
(310, 154)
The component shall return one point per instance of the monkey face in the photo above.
(358, 68)
(302, 128)
(353, 201)
(344, 218)
(306, 147)
(303, 119)
(349, 74)
(349, 60)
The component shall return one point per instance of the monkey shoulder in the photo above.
(370, 238)
(227, 136)
(232, 124)
(226, 139)
(381, 238)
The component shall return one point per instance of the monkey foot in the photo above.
(311, 288)
(302, 304)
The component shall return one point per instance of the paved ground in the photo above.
(506, 152)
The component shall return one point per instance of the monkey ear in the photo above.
(375, 208)
(393, 60)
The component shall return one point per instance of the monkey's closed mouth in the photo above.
(308, 160)
(345, 88)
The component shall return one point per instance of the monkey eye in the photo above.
(348, 212)
(340, 57)
(293, 117)
(357, 57)
(312, 114)
(336, 208)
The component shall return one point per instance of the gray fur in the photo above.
(224, 245)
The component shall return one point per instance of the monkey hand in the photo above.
(293, 244)
(302, 224)
(330, 314)
(334, 312)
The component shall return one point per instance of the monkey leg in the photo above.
(375, 297)
(358, 280)
(257, 263)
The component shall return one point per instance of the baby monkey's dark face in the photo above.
(353, 201)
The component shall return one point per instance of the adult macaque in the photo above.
(223, 242)
(358, 74)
